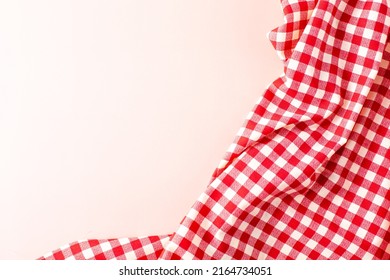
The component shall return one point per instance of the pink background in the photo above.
(114, 113)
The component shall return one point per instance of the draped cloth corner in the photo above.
(307, 176)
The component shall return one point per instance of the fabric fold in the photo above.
(306, 175)
(285, 37)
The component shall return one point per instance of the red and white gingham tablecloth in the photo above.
(307, 176)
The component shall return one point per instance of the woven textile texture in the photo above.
(307, 176)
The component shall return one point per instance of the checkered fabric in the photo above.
(307, 176)
(143, 248)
